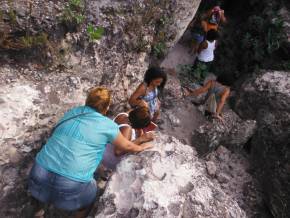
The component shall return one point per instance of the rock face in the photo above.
(233, 133)
(267, 97)
(232, 171)
(33, 94)
(166, 181)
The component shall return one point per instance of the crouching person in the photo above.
(217, 94)
(62, 174)
(130, 125)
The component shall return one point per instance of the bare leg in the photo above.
(221, 104)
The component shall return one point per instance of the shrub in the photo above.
(189, 73)
(159, 49)
(73, 14)
(256, 44)
(95, 33)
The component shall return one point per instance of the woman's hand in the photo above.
(146, 146)
(148, 136)
(124, 144)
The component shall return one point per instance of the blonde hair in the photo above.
(99, 98)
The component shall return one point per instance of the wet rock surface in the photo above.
(267, 97)
(166, 181)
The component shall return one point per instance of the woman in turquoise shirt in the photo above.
(62, 174)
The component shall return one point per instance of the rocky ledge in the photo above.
(166, 181)
(267, 97)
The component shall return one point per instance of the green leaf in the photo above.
(95, 33)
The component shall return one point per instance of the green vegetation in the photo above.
(151, 18)
(11, 13)
(12, 16)
(95, 33)
(189, 73)
(257, 43)
(32, 41)
(73, 14)
(159, 49)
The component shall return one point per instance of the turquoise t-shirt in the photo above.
(76, 146)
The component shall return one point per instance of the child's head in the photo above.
(156, 77)
(139, 117)
(212, 35)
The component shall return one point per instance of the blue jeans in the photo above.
(63, 193)
(198, 37)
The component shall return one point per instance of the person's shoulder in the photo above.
(109, 122)
(76, 108)
(74, 111)
(142, 86)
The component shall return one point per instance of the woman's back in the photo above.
(76, 146)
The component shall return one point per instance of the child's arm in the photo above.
(135, 97)
(202, 46)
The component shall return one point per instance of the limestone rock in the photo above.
(233, 133)
(267, 97)
(165, 181)
(211, 168)
(34, 95)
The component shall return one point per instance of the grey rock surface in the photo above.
(165, 181)
(35, 94)
(267, 97)
(232, 171)
(233, 132)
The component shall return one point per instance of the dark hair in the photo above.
(224, 79)
(155, 73)
(212, 35)
(139, 117)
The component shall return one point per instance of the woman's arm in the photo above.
(135, 97)
(124, 144)
(127, 133)
(146, 137)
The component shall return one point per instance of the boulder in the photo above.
(165, 181)
(35, 93)
(266, 97)
(233, 132)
